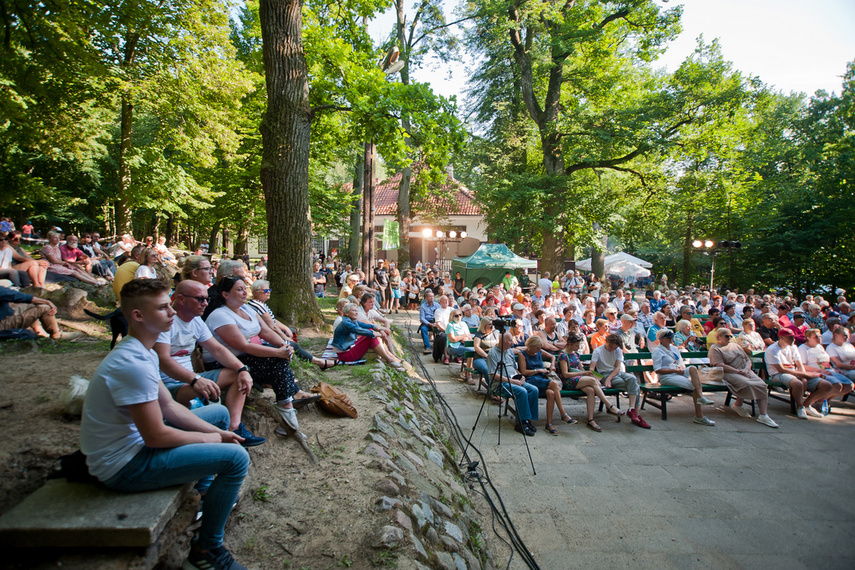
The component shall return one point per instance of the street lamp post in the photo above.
(712, 248)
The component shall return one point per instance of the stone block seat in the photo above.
(63, 514)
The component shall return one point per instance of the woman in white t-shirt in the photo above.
(238, 328)
(816, 359)
(842, 353)
(146, 270)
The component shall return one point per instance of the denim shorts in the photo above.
(174, 385)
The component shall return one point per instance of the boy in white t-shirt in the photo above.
(174, 349)
(608, 361)
(137, 438)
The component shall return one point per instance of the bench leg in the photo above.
(664, 399)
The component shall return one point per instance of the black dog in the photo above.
(118, 323)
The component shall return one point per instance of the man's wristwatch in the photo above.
(243, 368)
(194, 380)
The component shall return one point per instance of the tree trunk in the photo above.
(687, 247)
(368, 244)
(123, 210)
(241, 240)
(356, 211)
(213, 241)
(404, 217)
(170, 231)
(552, 258)
(285, 131)
(226, 241)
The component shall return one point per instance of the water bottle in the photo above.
(825, 407)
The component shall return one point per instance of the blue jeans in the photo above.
(155, 468)
(425, 338)
(525, 397)
(319, 295)
(480, 367)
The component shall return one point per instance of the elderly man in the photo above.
(627, 332)
(471, 320)
(174, 348)
(507, 381)
(629, 303)
(769, 329)
(784, 365)
(553, 341)
(518, 311)
(427, 319)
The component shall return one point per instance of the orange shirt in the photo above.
(599, 339)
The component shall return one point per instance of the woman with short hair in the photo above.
(531, 366)
(352, 339)
(738, 376)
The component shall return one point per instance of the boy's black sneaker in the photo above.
(214, 559)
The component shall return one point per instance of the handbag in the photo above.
(334, 400)
(712, 375)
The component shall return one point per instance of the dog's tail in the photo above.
(106, 317)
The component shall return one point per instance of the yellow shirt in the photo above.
(124, 273)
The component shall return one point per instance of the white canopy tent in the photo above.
(627, 269)
(585, 264)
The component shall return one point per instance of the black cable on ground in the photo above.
(476, 470)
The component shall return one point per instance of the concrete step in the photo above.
(63, 514)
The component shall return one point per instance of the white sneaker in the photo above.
(704, 421)
(290, 417)
(704, 401)
(811, 411)
(801, 413)
(740, 410)
(766, 421)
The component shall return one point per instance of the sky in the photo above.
(792, 45)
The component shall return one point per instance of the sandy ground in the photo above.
(292, 513)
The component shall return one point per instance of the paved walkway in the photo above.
(680, 495)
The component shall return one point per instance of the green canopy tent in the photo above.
(488, 264)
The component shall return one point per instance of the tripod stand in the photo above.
(505, 384)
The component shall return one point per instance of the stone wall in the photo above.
(432, 522)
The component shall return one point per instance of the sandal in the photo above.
(327, 364)
(611, 411)
(550, 429)
(593, 425)
(496, 399)
(567, 419)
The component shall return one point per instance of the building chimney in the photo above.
(450, 170)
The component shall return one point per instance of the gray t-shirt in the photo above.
(510, 360)
(108, 435)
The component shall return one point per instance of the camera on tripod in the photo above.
(501, 324)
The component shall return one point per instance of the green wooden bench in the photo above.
(657, 395)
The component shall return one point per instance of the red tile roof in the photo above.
(453, 199)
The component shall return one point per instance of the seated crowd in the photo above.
(804, 349)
